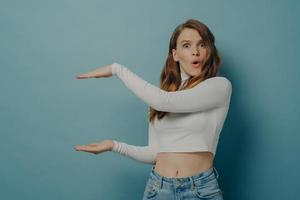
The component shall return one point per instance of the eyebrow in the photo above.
(190, 41)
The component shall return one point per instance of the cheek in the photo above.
(204, 52)
(184, 55)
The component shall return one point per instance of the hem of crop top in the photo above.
(186, 151)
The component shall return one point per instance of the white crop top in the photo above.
(195, 120)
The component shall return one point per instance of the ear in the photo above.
(174, 53)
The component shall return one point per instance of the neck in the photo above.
(184, 76)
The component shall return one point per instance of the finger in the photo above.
(82, 76)
(89, 147)
(81, 148)
(84, 149)
(93, 144)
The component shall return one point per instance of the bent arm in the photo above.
(211, 93)
(145, 154)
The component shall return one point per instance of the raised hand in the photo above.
(105, 71)
(96, 148)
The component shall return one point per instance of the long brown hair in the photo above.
(170, 78)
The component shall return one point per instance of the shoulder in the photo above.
(219, 82)
(219, 79)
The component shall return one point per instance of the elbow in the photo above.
(224, 91)
(227, 90)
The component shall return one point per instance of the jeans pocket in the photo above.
(209, 190)
(151, 189)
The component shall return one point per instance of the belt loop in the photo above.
(153, 166)
(216, 172)
(161, 182)
(192, 182)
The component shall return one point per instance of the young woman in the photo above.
(186, 116)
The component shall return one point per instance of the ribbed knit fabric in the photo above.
(195, 120)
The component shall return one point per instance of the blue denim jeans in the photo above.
(200, 186)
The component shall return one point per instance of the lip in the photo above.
(199, 64)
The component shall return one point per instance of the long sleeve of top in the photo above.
(145, 154)
(208, 94)
(195, 121)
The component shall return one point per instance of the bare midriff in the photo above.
(183, 164)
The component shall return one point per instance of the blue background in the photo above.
(45, 111)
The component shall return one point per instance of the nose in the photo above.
(196, 51)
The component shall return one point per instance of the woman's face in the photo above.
(190, 52)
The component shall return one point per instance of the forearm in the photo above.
(211, 93)
(145, 154)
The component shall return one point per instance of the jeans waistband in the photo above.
(201, 175)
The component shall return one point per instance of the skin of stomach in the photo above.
(183, 164)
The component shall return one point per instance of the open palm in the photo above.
(105, 71)
(95, 148)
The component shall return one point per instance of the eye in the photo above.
(202, 45)
(185, 45)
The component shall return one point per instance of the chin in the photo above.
(195, 73)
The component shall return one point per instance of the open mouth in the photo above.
(196, 63)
